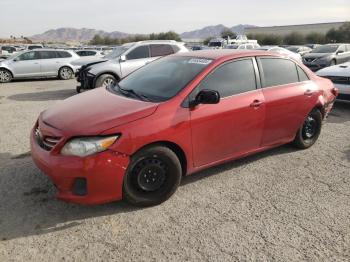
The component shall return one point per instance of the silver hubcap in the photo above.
(66, 73)
(108, 82)
(4, 76)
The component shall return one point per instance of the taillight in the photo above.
(335, 91)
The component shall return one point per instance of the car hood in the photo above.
(336, 70)
(87, 60)
(95, 111)
(317, 55)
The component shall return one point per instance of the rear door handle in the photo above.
(256, 103)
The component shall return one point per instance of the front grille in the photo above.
(342, 80)
(309, 60)
(45, 142)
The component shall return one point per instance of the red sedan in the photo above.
(173, 117)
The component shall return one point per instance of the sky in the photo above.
(29, 17)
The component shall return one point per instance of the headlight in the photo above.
(86, 146)
(323, 59)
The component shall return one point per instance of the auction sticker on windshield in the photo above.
(199, 61)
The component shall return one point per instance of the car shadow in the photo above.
(28, 205)
(35, 79)
(340, 112)
(44, 95)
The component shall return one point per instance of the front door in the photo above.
(27, 65)
(135, 59)
(235, 125)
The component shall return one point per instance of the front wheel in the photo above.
(105, 80)
(65, 73)
(333, 62)
(5, 76)
(309, 132)
(152, 177)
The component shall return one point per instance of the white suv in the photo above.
(124, 60)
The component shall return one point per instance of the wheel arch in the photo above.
(1, 67)
(180, 153)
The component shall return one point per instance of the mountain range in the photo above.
(85, 34)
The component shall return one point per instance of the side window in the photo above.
(231, 79)
(302, 75)
(63, 54)
(241, 47)
(161, 50)
(28, 56)
(47, 54)
(277, 71)
(342, 48)
(249, 46)
(138, 52)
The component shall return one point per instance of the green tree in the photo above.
(228, 33)
(207, 40)
(315, 38)
(97, 40)
(294, 38)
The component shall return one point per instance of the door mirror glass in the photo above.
(122, 58)
(206, 97)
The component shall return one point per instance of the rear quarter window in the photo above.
(63, 54)
(302, 75)
(278, 71)
(161, 50)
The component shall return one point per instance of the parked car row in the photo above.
(38, 63)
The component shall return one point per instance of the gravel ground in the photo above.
(283, 204)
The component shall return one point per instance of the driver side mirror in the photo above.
(15, 59)
(206, 96)
(340, 52)
(122, 58)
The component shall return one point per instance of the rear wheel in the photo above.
(153, 176)
(65, 73)
(309, 132)
(5, 76)
(105, 80)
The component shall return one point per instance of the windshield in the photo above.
(116, 52)
(326, 49)
(164, 78)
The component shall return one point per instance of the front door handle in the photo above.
(256, 103)
(309, 92)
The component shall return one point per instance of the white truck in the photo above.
(221, 42)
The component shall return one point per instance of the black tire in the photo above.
(78, 89)
(105, 80)
(333, 62)
(309, 132)
(152, 177)
(65, 73)
(5, 76)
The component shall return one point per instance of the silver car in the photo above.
(124, 60)
(38, 63)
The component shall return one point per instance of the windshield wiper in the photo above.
(132, 92)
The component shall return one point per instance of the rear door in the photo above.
(235, 125)
(345, 55)
(289, 97)
(27, 65)
(136, 58)
(49, 63)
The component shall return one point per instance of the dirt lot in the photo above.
(283, 204)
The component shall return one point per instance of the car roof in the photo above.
(226, 53)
